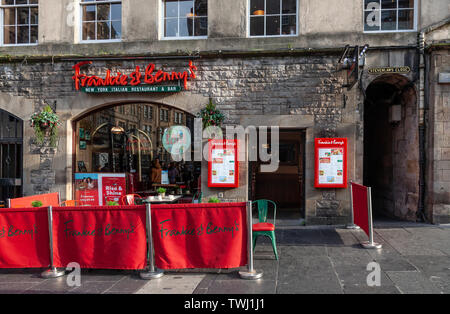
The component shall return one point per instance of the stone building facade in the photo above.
(295, 83)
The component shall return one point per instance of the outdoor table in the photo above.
(165, 199)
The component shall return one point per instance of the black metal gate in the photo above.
(11, 156)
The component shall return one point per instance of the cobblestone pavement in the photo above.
(415, 258)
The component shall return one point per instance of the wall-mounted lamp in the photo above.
(258, 12)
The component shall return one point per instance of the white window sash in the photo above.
(16, 25)
(280, 15)
(397, 9)
(163, 24)
(110, 21)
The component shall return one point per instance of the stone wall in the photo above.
(305, 88)
(439, 138)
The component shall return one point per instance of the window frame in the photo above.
(2, 26)
(415, 22)
(163, 25)
(249, 15)
(92, 2)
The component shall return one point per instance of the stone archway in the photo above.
(391, 146)
(84, 105)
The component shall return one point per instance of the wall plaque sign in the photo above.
(384, 70)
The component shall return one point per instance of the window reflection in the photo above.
(185, 18)
(273, 17)
(20, 22)
(102, 21)
(127, 139)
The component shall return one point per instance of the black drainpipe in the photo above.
(421, 215)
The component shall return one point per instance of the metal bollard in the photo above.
(250, 274)
(152, 272)
(53, 272)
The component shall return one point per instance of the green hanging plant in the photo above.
(45, 124)
(211, 116)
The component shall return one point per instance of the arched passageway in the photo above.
(391, 146)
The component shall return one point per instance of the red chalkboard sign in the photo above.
(223, 164)
(330, 163)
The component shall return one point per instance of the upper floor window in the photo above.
(185, 18)
(101, 20)
(273, 17)
(390, 15)
(19, 22)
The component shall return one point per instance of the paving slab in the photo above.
(312, 259)
(413, 283)
(172, 284)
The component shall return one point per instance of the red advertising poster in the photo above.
(330, 163)
(223, 163)
(100, 237)
(200, 236)
(113, 187)
(360, 206)
(24, 239)
(95, 189)
(86, 188)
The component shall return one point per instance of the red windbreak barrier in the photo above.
(24, 239)
(200, 235)
(100, 237)
(360, 206)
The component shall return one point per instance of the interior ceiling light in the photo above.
(117, 130)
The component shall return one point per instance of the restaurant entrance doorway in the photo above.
(286, 185)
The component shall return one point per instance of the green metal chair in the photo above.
(263, 228)
(197, 198)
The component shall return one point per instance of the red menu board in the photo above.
(223, 164)
(330, 163)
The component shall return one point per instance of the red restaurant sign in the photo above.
(149, 77)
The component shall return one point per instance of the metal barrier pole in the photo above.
(152, 272)
(8, 203)
(250, 274)
(53, 272)
(352, 225)
(370, 244)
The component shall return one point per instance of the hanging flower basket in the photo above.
(45, 124)
(211, 116)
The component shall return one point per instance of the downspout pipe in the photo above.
(423, 111)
